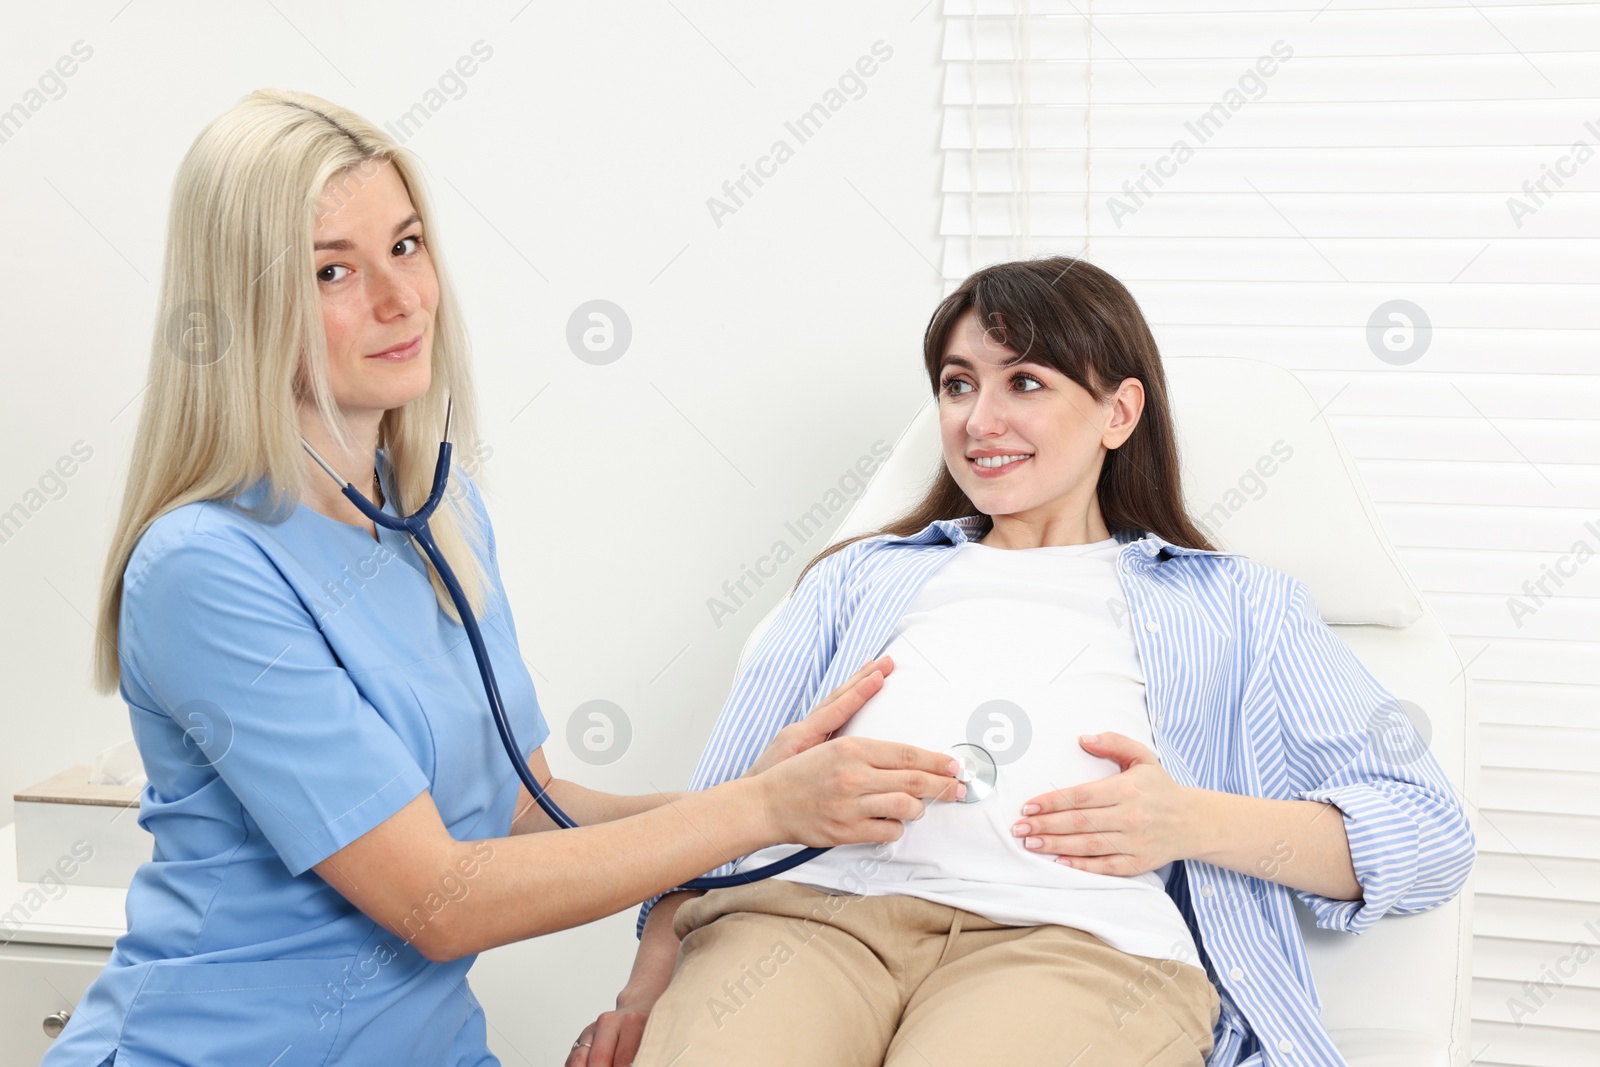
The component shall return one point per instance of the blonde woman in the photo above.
(337, 832)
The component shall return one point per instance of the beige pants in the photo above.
(777, 973)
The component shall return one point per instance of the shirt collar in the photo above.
(959, 531)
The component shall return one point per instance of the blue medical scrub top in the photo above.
(291, 686)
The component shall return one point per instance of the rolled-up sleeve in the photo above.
(214, 639)
(1351, 743)
(776, 686)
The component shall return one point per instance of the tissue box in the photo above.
(80, 833)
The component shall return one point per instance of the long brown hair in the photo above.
(1069, 315)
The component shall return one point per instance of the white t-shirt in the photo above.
(1021, 651)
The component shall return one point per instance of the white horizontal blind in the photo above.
(1342, 156)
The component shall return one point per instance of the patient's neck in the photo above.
(1036, 530)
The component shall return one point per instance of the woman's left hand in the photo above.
(1126, 824)
(828, 716)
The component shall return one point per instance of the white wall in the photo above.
(769, 353)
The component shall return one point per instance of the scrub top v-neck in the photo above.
(291, 686)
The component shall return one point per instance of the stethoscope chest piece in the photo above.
(978, 771)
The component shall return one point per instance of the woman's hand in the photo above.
(613, 1040)
(1126, 824)
(828, 716)
(610, 1041)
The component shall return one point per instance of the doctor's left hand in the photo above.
(1131, 822)
(828, 716)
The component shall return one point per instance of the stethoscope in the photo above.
(978, 768)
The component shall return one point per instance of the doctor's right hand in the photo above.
(853, 790)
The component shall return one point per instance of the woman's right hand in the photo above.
(612, 1040)
(851, 790)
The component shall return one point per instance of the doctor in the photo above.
(337, 833)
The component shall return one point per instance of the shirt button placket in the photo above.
(1152, 626)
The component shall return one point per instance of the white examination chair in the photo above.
(1397, 995)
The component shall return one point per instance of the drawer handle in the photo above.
(56, 1022)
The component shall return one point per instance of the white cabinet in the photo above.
(54, 938)
(39, 985)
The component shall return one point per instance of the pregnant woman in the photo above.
(1171, 727)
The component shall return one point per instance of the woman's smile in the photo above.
(997, 466)
(401, 353)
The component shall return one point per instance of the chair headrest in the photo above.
(1263, 474)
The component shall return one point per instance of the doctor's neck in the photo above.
(356, 463)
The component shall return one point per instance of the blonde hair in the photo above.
(239, 340)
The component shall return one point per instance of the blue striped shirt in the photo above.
(1236, 660)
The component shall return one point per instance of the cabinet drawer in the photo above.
(36, 981)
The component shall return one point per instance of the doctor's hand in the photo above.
(834, 711)
(853, 790)
(1126, 824)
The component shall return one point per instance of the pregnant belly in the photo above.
(1032, 733)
